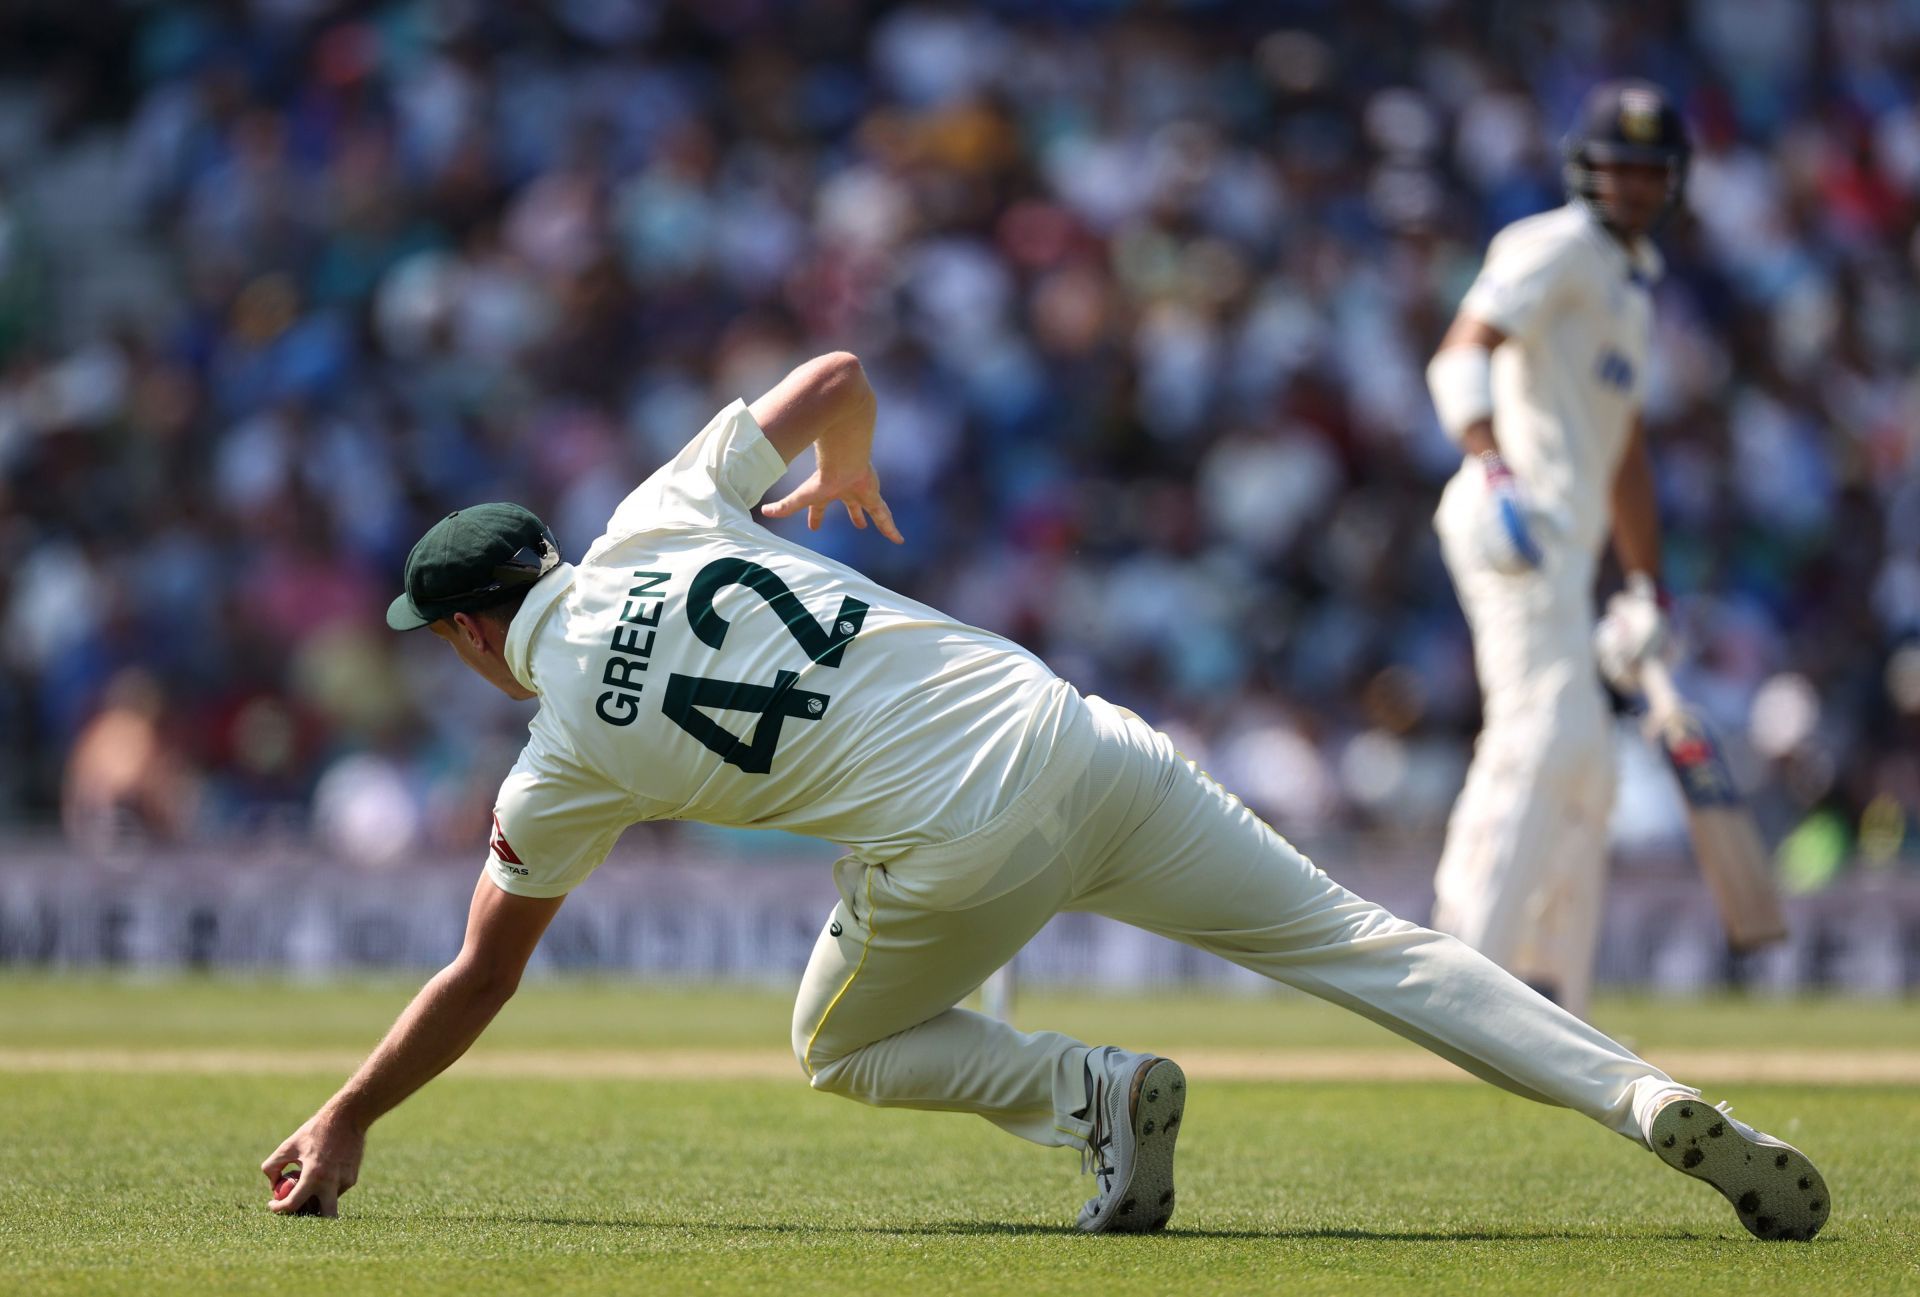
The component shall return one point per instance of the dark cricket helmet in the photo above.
(1631, 122)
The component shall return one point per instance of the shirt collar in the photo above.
(518, 650)
(1642, 263)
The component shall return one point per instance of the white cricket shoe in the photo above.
(1771, 1184)
(1137, 1101)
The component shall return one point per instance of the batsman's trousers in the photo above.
(1140, 834)
(1522, 876)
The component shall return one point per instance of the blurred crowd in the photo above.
(1146, 291)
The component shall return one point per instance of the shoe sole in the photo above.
(1158, 1102)
(1774, 1188)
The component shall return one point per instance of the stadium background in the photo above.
(1145, 290)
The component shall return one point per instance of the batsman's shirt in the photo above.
(694, 665)
(1577, 312)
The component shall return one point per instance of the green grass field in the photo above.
(144, 1179)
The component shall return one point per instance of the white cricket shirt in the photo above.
(694, 665)
(1577, 311)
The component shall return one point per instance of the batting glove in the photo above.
(1633, 632)
(1508, 532)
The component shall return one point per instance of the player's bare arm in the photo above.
(1634, 629)
(1636, 515)
(828, 404)
(441, 1023)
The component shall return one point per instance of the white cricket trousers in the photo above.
(1140, 834)
(1522, 876)
(1523, 872)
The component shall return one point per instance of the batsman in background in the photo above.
(1539, 380)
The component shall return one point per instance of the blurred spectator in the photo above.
(126, 781)
(1145, 289)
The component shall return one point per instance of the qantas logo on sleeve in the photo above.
(503, 850)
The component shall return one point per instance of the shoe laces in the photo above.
(1725, 1109)
(1093, 1158)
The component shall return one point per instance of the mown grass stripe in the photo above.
(1715, 1066)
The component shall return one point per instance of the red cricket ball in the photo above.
(290, 1176)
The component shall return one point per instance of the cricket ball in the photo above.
(290, 1176)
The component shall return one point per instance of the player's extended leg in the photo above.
(874, 1019)
(1195, 864)
(1191, 862)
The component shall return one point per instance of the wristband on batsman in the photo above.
(1460, 380)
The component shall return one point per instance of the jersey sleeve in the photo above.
(552, 826)
(1525, 277)
(717, 478)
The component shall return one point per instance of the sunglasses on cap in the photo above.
(528, 564)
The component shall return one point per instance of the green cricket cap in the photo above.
(471, 558)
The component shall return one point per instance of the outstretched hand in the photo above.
(858, 490)
(329, 1152)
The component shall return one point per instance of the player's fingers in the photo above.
(856, 514)
(329, 1200)
(816, 514)
(304, 1188)
(279, 1160)
(808, 492)
(883, 519)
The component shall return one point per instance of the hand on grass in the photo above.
(328, 1151)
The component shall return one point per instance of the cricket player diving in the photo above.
(1540, 381)
(693, 664)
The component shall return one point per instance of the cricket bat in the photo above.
(1726, 845)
